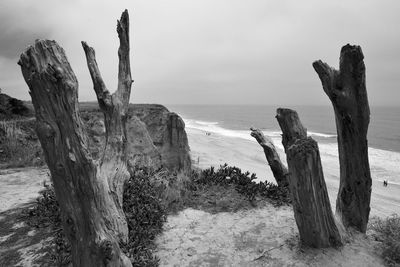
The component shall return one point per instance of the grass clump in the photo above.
(389, 233)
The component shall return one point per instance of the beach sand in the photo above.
(215, 149)
(20, 186)
(264, 236)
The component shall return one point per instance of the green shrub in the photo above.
(149, 196)
(145, 215)
(389, 230)
(244, 184)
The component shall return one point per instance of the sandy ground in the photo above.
(265, 236)
(20, 245)
(20, 186)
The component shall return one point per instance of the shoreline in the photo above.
(21, 185)
(215, 150)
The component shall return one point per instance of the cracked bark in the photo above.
(347, 91)
(89, 192)
(311, 206)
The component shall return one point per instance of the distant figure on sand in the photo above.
(208, 133)
(385, 183)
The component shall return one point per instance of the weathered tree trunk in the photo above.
(89, 192)
(278, 169)
(311, 206)
(347, 92)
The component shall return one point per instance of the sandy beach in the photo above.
(215, 149)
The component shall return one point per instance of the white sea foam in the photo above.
(206, 122)
(321, 134)
(385, 165)
(213, 127)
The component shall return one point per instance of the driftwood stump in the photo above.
(346, 90)
(89, 192)
(311, 206)
(279, 170)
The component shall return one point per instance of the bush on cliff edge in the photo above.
(150, 195)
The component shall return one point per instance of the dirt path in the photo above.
(263, 236)
(259, 237)
(20, 186)
(20, 244)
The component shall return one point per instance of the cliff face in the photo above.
(156, 137)
(167, 130)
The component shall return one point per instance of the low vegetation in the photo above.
(19, 145)
(149, 196)
(389, 234)
(46, 214)
(244, 184)
(145, 215)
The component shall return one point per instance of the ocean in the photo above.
(230, 139)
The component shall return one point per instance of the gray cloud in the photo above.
(16, 40)
(20, 25)
(227, 51)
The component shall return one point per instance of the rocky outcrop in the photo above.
(156, 137)
(141, 150)
(167, 130)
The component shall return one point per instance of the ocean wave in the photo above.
(384, 164)
(213, 127)
(321, 135)
(206, 122)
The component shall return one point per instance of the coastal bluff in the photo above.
(156, 137)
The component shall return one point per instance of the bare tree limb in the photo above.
(124, 70)
(327, 76)
(278, 169)
(103, 95)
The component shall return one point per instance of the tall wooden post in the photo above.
(311, 206)
(346, 90)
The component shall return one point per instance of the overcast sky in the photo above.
(211, 51)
